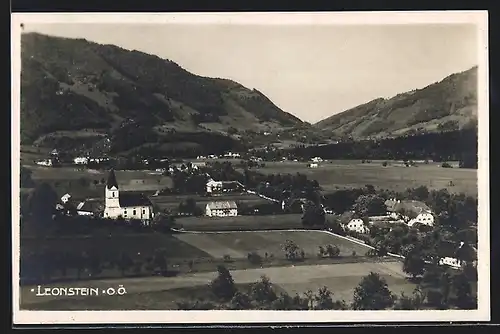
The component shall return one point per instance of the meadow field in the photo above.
(293, 277)
(243, 223)
(337, 174)
(84, 182)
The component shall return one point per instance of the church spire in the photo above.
(111, 180)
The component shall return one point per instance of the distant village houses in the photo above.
(221, 209)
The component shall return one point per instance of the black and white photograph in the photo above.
(311, 164)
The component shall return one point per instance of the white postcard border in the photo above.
(478, 18)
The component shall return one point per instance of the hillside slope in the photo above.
(81, 90)
(446, 105)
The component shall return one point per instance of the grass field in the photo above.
(336, 174)
(244, 223)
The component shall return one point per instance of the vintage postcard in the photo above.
(250, 167)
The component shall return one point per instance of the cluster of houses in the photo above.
(407, 212)
(56, 158)
(51, 161)
(219, 187)
(228, 155)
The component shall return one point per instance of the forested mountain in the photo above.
(450, 104)
(74, 92)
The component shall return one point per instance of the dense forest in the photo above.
(458, 145)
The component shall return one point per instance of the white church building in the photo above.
(128, 205)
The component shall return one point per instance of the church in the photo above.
(128, 205)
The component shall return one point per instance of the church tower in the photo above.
(112, 196)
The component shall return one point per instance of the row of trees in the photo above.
(43, 266)
(372, 293)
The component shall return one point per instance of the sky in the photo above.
(310, 71)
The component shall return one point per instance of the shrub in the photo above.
(254, 258)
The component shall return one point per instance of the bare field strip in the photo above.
(264, 222)
(341, 279)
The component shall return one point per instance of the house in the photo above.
(65, 198)
(83, 209)
(357, 225)
(45, 162)
(221, 209)
(214, 187)
(128, 205)
(316, 159)
(54, 153)
(81, 160)
(425, 218)
(411, 211)
(456, 256)
(232, 155)
(198, 164)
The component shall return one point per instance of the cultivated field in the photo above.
(243, 223)
(239, 244)
(336, 174)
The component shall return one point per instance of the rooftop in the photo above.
(129, 199)
(111, 180)
(222, 205)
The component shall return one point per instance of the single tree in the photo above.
(223, 285)
(262, 291)
(372, 293)
(463, 292)
(240, 301)
(414, 264)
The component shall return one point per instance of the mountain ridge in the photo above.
(448, 104)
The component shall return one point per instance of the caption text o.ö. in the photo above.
(82, 291)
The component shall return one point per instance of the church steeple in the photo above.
(111, 180)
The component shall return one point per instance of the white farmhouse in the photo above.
(357, 225)
(221, 209)
(425, 218)
(65, 198)
(456, 256)
(81, 160)
(127, 205)
(82, 209)
(45, 162)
